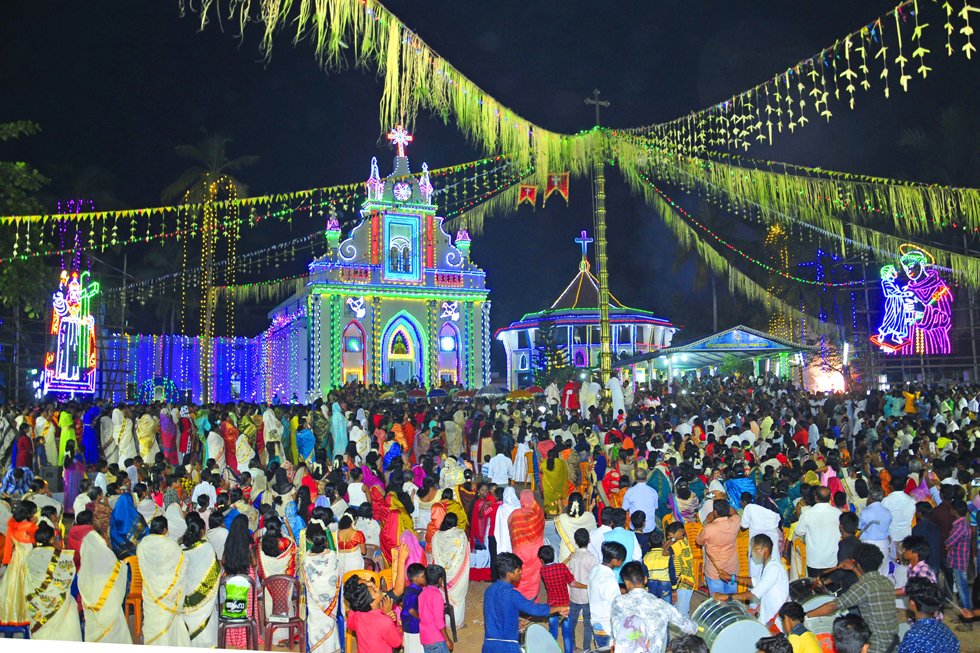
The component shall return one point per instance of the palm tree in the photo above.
(950, 154)
(201, 183)
(210, 157)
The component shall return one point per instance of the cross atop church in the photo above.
(401, 138)
(584, 241)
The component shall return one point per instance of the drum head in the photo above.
(537, 639)
(739, 637)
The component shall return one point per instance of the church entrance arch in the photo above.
(402, 351)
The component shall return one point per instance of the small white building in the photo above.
(574, 317)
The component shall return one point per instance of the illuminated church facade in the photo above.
(397, 300)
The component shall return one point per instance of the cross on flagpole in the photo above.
(584, 241)
(594, 100)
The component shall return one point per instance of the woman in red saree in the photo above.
(437, 515)
(396, 521)
(20, 528)
(526, 537)
(229, 433)
(482, 515)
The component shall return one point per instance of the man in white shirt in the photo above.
(902, 508)
(819, 527)
(759, 520)
(205, 487)
(770, 587)
(501, 470)
(598, 536)
(603, 588)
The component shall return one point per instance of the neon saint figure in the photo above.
(918, 314)
(72, 365)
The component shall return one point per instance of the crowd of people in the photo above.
(616, 511)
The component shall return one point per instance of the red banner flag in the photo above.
(528, 193)
(557, 183)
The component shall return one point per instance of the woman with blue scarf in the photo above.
(305, 443)
(338, 428)
(126, 527)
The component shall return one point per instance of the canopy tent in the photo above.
(739, 341)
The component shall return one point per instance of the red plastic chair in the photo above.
(283, 596)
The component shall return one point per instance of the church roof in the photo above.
(578, 303)
(583, 292)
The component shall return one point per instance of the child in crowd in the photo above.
(677, 546)
(557, 579)
(659, 571)
(371, 618)
(432, 613)
(502, 605)
(580, 563)
(410, 607)
(638, 520)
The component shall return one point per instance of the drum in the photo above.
(537, 639)
(728, 627)
(806, 592)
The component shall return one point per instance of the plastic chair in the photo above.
(668, 519)
(386, 578)
(742, 550)
(283, 594)
(249, 622)
(799, 557)
(9, 631)
(366, 576)
(134, 600)
(691, 529)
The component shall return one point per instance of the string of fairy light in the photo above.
(839, 201)
(104, 226)
(703, 228)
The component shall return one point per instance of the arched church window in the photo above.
(400, 254)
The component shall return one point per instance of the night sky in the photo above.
(117, 85)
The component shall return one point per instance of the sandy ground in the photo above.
(471, 636)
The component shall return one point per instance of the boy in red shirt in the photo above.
(557, 577)
(371, 618)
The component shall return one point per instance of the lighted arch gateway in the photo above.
(396, 298)
(402, 348)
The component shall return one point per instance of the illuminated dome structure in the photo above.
(574, 318)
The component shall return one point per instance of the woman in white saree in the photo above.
(164, 570)
(102, 588)
(277, 555)
(216, 450)
(200, 611)
(576, 516)
(176, 522)
(244, 453)
(451, 550)
(50, 572)
(321, 577)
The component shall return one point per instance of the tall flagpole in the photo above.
(605, 352)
